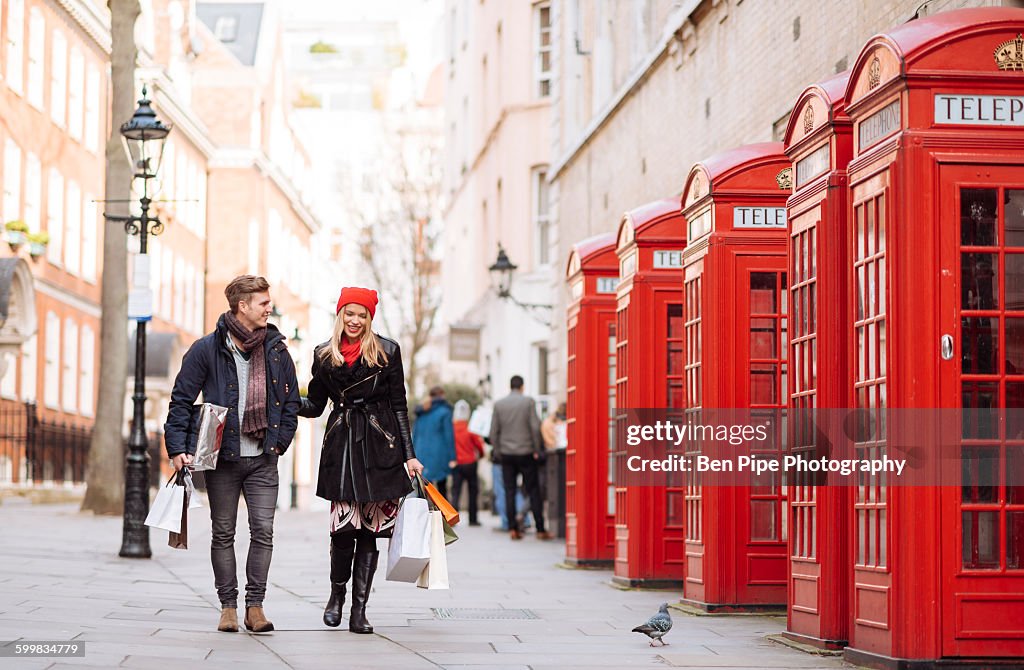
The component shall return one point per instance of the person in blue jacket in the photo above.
(434, 437)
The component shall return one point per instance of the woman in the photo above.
(469, 447)
(367, 447)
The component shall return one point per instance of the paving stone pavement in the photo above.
(61, 579)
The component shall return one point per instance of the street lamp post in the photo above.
(501, 276)
(139, 134)
(296, 339)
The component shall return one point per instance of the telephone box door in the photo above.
(982, 369)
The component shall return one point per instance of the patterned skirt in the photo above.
(377, 517)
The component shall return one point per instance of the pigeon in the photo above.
(656, 627)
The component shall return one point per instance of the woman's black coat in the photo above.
(367, 440)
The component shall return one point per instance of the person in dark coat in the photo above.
(244, 366)
(368, 458)
(435, 439)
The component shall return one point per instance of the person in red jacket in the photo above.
(468, 448)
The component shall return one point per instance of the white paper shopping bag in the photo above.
(409, 549)
(435, 575)
(165, 512)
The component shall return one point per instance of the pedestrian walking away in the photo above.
(367, 457)
(469, 448)
(434, 436)
(515, 438)
(243, 365)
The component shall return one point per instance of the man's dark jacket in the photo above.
(209, 367)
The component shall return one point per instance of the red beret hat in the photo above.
(366, 297)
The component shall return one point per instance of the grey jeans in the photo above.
(255, 478)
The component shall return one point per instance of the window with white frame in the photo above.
(12, 181)
(541, 215)
(33, 192)
(36, 58)
(90, 237)
(15, 44)
(167, 169)
(9, 383)
(165, 282)
(542, 46)
(225, 28)
(200, 302)
(58, 78)
(51, 375)
(179, 290)
(92, 109)
(55, 216)
(28, 369)
(88, 367)
(70, 366)
(73, 229)
(76, 86)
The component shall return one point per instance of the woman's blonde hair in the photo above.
(372, 350)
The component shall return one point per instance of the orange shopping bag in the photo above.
(451, 515)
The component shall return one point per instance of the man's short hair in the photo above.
(436, 391)
(242, 289)
(516, 383)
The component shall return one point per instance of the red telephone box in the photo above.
(735, 324)
(649, 365)
(819, 143)
(936, 234)
(593, 278)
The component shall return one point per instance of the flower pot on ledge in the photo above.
(15, 238)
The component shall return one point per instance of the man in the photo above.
(243, 365)
(434, 438)
(515, 437)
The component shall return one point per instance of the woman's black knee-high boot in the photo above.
(363, 567)
(342, 549)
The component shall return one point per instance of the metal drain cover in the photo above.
(468, 614)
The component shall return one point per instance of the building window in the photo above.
(155, 258)
(76, 85)
(542, 44)
(90, 233)
(15, 44)
(9, 383)
(70, 366)
(92, 109)
(73, 238)
(200, 301)
(55, 217)
(33, 192)
(51, 377)
(542, 369)
(225, 28)
(28, 369)
(58, 78)
(541, 216)
(12, 181)
(85, 398)
(165, 283)
(36, 58)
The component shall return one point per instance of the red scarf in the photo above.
(351, 351)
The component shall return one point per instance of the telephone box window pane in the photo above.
(980, 539)
(675, 358)
(675, 321)
(881, 223)
(978, 217)
(675, 395)
(1015, 282)
(1015, 475)
(762, 521)
(1015, 346)
(1015, 540)
(979, 338)
(762, 338)
(675, 508)
(762, 384)
(862, 309)
(869, 233)
(1015, 411)
(980, 401)
(862, 515)
(979, 468)
(762, 293)
(1013, 213)
(979, 281)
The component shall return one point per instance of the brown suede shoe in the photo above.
(515, 535)
(228, 620)
(256, 622)
(545, 535)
